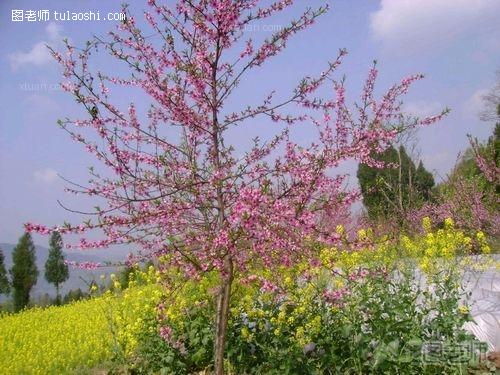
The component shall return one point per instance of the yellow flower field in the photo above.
(58, 340)
(55, 340)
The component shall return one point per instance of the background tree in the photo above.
(487, 155)
(74, 295)
(480, 163)
(24, 272)
(174, 183)
(491, 103)
(424, 183)
(469, 194)
(395, 188)
(56, 271)
(4, 280)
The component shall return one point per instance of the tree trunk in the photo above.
(222, 317)
(58, 297)
(400, 182)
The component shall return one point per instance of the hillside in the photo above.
(77, 278)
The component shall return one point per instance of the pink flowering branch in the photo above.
(172, 185)
(486, 163)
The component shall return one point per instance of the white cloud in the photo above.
(416, 24)
(53, 31)
(45, 176)
(475, 103)
(38, 54)
(421, 108)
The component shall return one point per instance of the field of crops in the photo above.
(81, 335)
(56, 340)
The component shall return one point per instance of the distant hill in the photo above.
(77, 278)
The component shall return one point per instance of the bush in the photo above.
(369, 321)
(388, 307)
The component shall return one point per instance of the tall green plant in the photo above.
(24, 272)
(56, 270)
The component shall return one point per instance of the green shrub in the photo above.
(386, 308)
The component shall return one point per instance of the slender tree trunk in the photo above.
(58, 297)
(222, 316)
(400, 182)
(224, 296)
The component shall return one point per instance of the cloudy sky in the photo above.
(455, 43)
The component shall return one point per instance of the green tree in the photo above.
(468, 169)
(56, 271)
(4, 281)
(472, 188)
(395, 188)
(24, 272)
(74, 295)
(424, 182)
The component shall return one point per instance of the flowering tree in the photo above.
(175, 186)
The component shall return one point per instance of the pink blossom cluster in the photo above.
(488, 164)
(166, 333)
(335, 297)
(465, 204)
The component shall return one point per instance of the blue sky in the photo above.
(455, 43)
